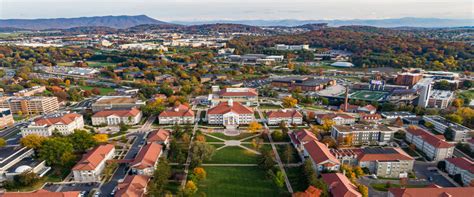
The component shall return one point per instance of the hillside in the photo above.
(117, 22)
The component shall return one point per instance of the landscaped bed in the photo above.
(238, 181)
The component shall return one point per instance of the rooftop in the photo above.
(94, 157)
(432, 192)
(361, 127)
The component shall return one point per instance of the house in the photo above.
(181, 114)
(460, 132)
(339, 185)
(90, 167)
(6, 118)
(16, 160)
(287, 116)
(432, 191)
(116, 117)
(300, 138)
(230, 114)
(338, 118)
(311, 191)
(462, 166)
(160, 136)
(42, 193)
(133, 186)
(147, 159)
(434, 147)
(63, 123)
(360, 134)
(320, 156)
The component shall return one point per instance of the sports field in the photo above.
(367, 95)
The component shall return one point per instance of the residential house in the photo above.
(287, 116)
(434, 147)
(133, 186)
(147, 159)
(181, 114)
(339, 185)
(462, 166)
(64, 123)
(90, 167)
(116, 117)
(320, 156)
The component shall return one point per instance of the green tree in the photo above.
(200, 152)
(54, 148)
(288, 153)
(265, 160)
(33, 141)
(160, 179)
(3, 142)
(82, 140)
(279, 179)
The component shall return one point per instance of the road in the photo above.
(11, 135)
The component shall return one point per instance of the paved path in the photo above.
(188, 160)
(249, 149)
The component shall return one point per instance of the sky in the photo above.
(199, 10)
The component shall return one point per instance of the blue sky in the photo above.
(192, 10)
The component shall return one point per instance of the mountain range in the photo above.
(124, 22)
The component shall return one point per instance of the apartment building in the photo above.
(303, 83)
(362, 134)
(90, 167)
(133, 186)
(230, 114)
(460, 133)
(30, 105)
(320, 156)
(116, 117)
(181, 114)
(435, 147)
(408, 79)
(64, 123)
(116, 102)
(30, 91)
(431, 190)
(6, 118)
(284, 115)
(440, 99)
(147, 159)
(462, 166)
(338, 118)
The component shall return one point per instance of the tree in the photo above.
(331, 142)
(289, 102)
(257, 143)
(160, 178)
(364, 190)
(458, 102)
(27, 178)
(449, 134)
(254, 126)
(33, 141)
(398, 122)
(327, 124)
(67, 82)
(358, 171)
(201, 151)
(442, 165)
(288, 153)
(265, 160)
(3, 142)
(101, 138)
(277, 135)
(95, 91)
(54, 148)
(82, 140)
(455, 118)
(200, 173)
(279, 179)
(348, 139)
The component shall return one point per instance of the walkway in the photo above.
(188, 160)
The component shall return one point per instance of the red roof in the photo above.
(340, 186)
(432, 192)
(310, 192)
(463, 163)
(365, 116)
(120, 113)
(429, 138)
(370, 107)
(249, 92)
(284, 114)
(132, 186)
(471, 141)
(397, 154)
(319, 152)
(223, 108)
(180, 111)
(148, 156)
(94, 157)
(41, 193)
(349, 107)
(304, 135)
(158, 135)
(65, 119)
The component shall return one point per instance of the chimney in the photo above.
(346, 100)
(230, 102)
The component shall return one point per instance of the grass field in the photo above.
(103, 91)
(233, 154)
(238, 181)
(269, 106)
(367, 95)
(90, 63)
(239, 137)
(296, 177)
(281, 150)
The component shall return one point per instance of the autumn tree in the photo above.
(190, 188)
(200, 173)
(364, 190)
(328, 140)
(289, 102)
(101, 138)
(257, 143)
(327, 124)
(33, 141)
(254, 126)
(3, 142)
(288, 153)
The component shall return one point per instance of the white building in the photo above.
(424, 88)
(320, 156)
(460, 133)
(285, 115)
(147, 159)
(230, 114)
(63, 123)
(440, 99)
(363, 134)
(90, 167)
(463, 167)
(177, 115)
(434, 147)
(116, 117)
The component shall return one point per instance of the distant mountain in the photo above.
(398, 22)
(117, 22)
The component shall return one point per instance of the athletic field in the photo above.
(367, 95)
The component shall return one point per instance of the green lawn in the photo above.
(296, 177)
(103, 91)
(239, 137)
(238, 181)
(281, 150)
(233, 154)
(269, 106)
(211, 139)
(100, 64)
(383, 186)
